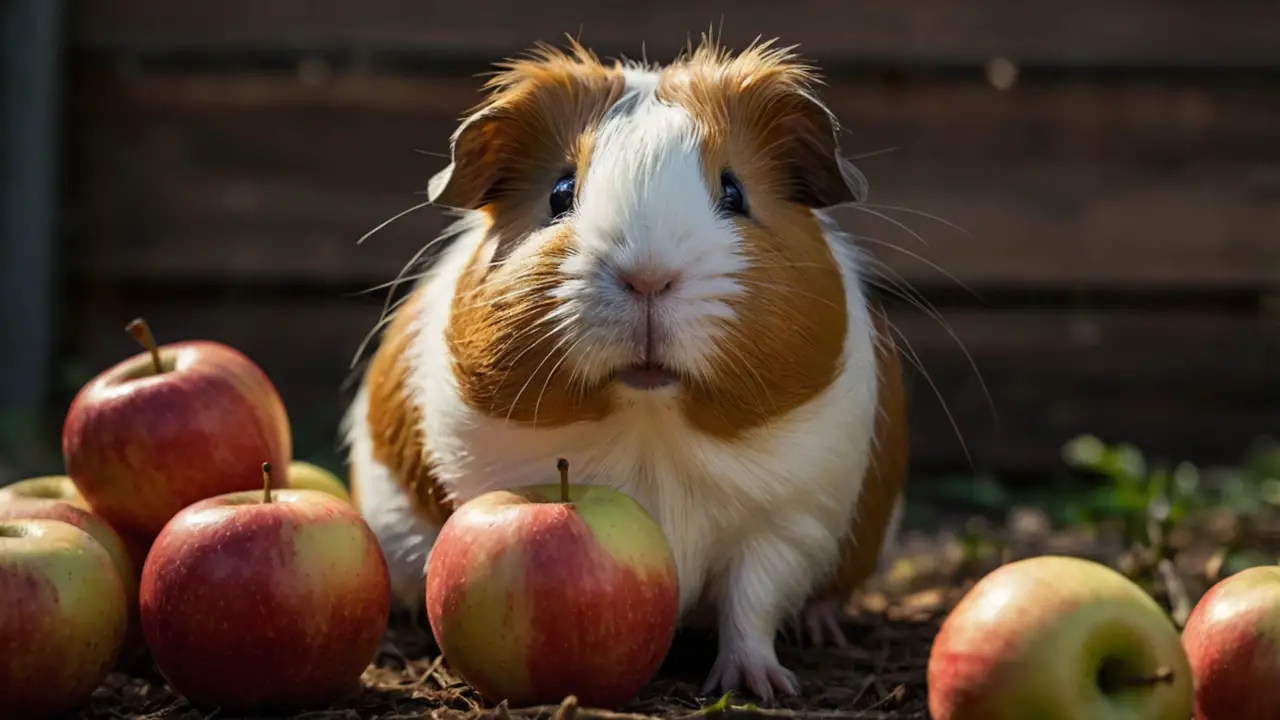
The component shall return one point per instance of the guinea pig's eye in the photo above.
(732, 198)
(562, 196)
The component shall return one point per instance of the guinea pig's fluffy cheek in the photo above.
(784, 342)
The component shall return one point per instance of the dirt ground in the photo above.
(881, 676)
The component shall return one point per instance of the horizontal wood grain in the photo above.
(1138, 184)
(1088, 32)
(1188, 385)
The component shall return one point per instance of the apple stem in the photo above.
(563, 466)
(266, 482)
(141, 332)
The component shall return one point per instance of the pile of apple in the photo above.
(184, 526)
(1072, 639)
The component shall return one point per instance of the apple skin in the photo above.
(1232, 638)
(531, 599)
(307, 476)
(141, 446)
(62, 621)
(1030, 638)
(50, 487)
(265, 607)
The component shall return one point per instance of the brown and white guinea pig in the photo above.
(643, 281)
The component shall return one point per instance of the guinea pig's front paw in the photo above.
(756, 667)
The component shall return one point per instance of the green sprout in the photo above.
(724, 705)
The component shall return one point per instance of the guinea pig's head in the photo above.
(650, 236)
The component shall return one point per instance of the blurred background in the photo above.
(1083, 200)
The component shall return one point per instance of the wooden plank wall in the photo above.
(1119, 192)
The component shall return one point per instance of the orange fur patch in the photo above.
(394, 421)
(885, 479)
(509, 355)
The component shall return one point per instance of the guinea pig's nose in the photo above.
(647, 282)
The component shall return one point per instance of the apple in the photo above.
(307, 476)
(265, 601)
(545, 591)
(62, 618)
(170, 426)
(52, 487)
(32, 508)
(127, 562)
(1058, 637)
(1232, 638)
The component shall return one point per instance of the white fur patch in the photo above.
(644, 208)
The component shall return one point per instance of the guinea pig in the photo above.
(644, 280)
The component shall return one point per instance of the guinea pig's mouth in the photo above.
(646, 376)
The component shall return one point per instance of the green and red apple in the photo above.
(1058, 637)
(266, 601)
(545, 591)
(62, 617)
(170, 426)
(31, 508)
(1232, 638)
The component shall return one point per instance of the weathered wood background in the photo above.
(1119, 192)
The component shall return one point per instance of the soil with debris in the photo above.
(881, 675)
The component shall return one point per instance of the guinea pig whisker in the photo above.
(921, 258)
(763, 395)
(785, 289)
(894, 221)
(551, 373)
(578, 376)
(894, 282)
(392, 219)
(872, 153)
(397, 281)
(921, 213)
(914, 358)
(516, 401)
(521, 291)
(764, 266)
(377, 327)
(546, 334)
(388, 306)
(917, 300)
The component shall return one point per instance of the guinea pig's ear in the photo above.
(476, 149)
(527, 129)
(807, 147)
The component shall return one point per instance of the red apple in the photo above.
(540, 592)
(170, 426)
(265, 601)
(62, 617)
(1232, 638)
(1058, 637)
(50, 487)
